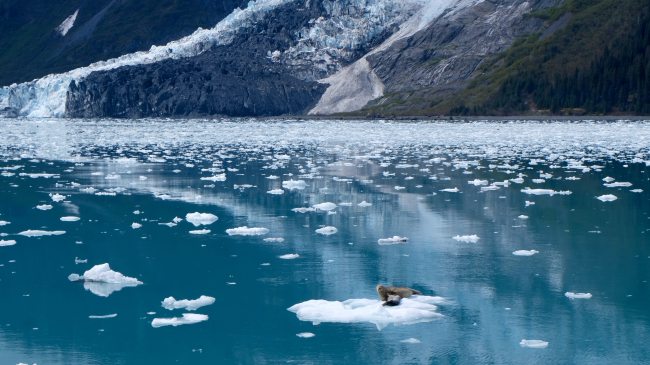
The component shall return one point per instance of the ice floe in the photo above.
(306, 335)
(57, 197)
(44, 207)
(275, 192)
(101, 317)
(220, 177)
(523, 217)
(618, 185)
(467, 238)
(454, 190)
(70, 219)
(411, 310)
(304, 210)
(327, 230)
(636, 191)
(200, 231)
(608, 179)
(550, 192)
(289, 256)
(478, 182)
(4, 223)
(102, 281)
(38, 233)
(7, 243)
(607, 198)
(411, 340)
(187, 318)
(525, 252)
(136, 225)
(245, 231)
(577, 295)
(171, 303)
(536, 344)
(294, 184)
(325, 206)
(274, 240)
(364, 204)
(392, 241)
(198, 219)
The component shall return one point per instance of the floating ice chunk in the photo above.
(136, 212)
(78, 261)
(171, 303)
(188, 318)
(411, 310)
(327, 230)
(607, 198)
(550, 192)
(529, 203)
(177, 220)
(201, 231)
(525, 252)
(411, 340)
(399, 188)
(364, 204)
(473, 238)
(519, 180)
(325, 206)
(637, 191)
(289, 256)
(245, 231)
(539, 181)
(489, 188)
(220, 177)
(523, 217)
(97, 173)
(136, 225)
(88, 190)
(142, 178)
(44, 207)
(170, 224)
(303, 210)
(578, 295)
(275, 192)
(608, 179)
(454, 190)
(478, 182)
(70, 219)
(57, 197)
(7, 243)
(272, 177)
(4, 223)
(198, 219)
(37, 233)
(106, 193)
(103, 274)
(106, 316)
(618, 185)
(346, 204)
(35, 176)
(536, 344)
(294, 184)
(112, 177)
(274, 240)
(306, 335)
(392, 241)
(572, 178)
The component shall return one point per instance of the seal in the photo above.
(401, 291)
(392, 301)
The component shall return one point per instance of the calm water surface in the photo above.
(490, 301)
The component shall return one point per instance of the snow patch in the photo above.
(67, 24)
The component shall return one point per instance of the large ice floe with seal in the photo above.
(416, 309)
(102, 281)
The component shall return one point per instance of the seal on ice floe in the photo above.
(394, 291)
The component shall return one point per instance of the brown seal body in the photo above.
(401, 291)
(392, 300)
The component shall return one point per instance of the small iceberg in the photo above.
(577, 295)
(607, 198)
(306, 335)
(44, 207)
(636, 191)
(106, 316)
(392, 241)
(467, 238)
(4, 223)
(273, 240)
(290, 256)
(327, 230)
(364, 204)
(57, 197)
(454, 190)
(535, 344)
(523, 217)
(478, 182)
(198, 219)
(294, 184)
(303, 210)
(525, 252)
(201, 231)
(275, 192)
(245, 231)
(325, 206)
(550, 192)
(619, 185)
(608, 179)
(416, 309)
(220, 177)
(103, 281)
(171, 303)
(37, 233)
(70, 219)
(7, 243)
(136, 225)
(411, 340)
(188, 318)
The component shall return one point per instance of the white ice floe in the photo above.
(304, 210)
(57, 197)
(188, 318)
(70, 219)
(525, 252)
(79, 261)
(577, 295)
(170, 224)
(103, 281)
(608, 179)
(112, 177)
(142, 178)
(245, 231)
(325, 206)
(411, 340)
(200, 231)
(289, 256)
(411, 310)
(136, 225)
(4, 223)
(37, 233)
(44, 207)
(550, 192)
(7, 243)
(536, 344)
(306, 335)
(529, 203)
(618, 185)
(272, 177)
(523, 217)
(171, 303)
(198, 219)
(636, 191)
(89, 190)
(106, 316)
(454, 190)
(294, 184)
(364, 204)
(275, 192)
(327, 230)
(518, 180)
(467, 238)
(220, 177)
(274, 240)
(178, 220)
(399, 188)
(392, 241)
(478, 182)
(607, 198)
(538, 181)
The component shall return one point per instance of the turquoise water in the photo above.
(489, 299)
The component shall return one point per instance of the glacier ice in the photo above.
(198, 219)
(38, 233)
(171, 303)
(294, 184)
(306, 335)
(327, 231)
(102, 281)
(101, 317)
(187, 318)
(325, 206)
(7, 243)
(577, 295)
(525, 252)
(245, 231)
(289, 256)
(70, 219)
(607, 198)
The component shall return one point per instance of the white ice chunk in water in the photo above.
(636, 191)
(411, 340)
(188, 318)
(171, 303)
(274, 240)
(57, 197)
(454, 190)
(201, 231)
(44, 207)
(198, 219)
(467, 238)
(608, 179)
(7, 243)
(37, 233)
(411, 310)
(177, 220)
(106, 316)
(550, 192)
(364, 204)
(70, 219)
(289, 256)
(306, 335)
(303, 210)
(478, 182)
(325, 206)
(245, 231)
(4, 223)
(392, 241)
(618, 185)
(294, 184)
(525, 252)
(103, 281)
(136, 225)
(523, 217)
(220, 177)
(275, 192)
(577, 295)
(607, 198)
(529, 203)
(536, 344)
(327, 230)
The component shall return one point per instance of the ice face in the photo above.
(188, 318)
(171, 303)
(198, 219)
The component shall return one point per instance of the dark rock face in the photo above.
(234, 80)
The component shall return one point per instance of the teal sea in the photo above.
(514, 231)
